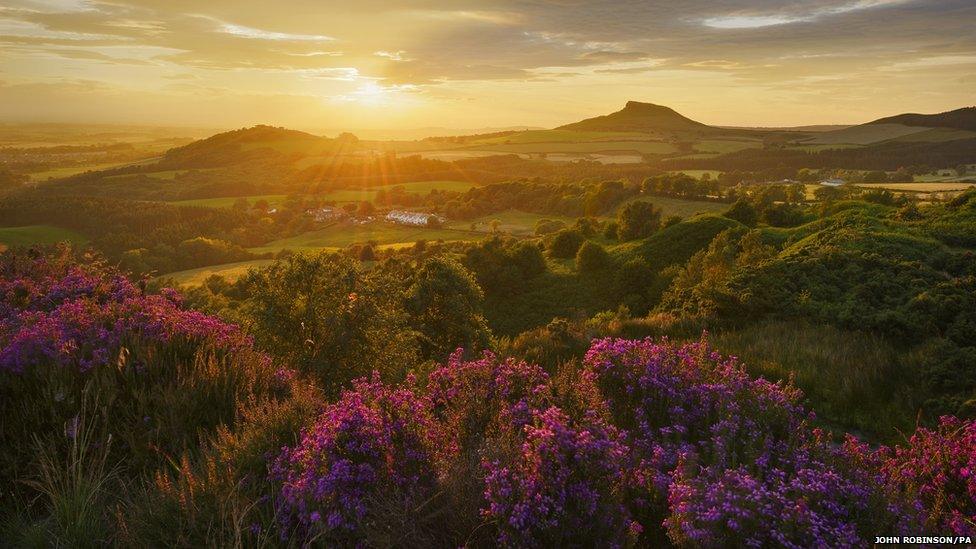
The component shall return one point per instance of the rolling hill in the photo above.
(960, 119)
(639, 117)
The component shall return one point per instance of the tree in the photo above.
(445, 305)
(366, 208)
(638, 219)
(591, 257)
(547, 226)
(330, 319)
(494, 225)
(565, 244)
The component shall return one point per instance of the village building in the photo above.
(833, 182)
(321, 215)
(412, 218)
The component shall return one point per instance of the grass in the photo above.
(382, 233)
(514, 222)
(344, 195)
(679, 206)
(863, 135)
(228, 201)
(723, 146)
(921, 186)
(697, 174)
(167, 175)
(230, 271)
(644, 147)
(560, 136)
(37, 234)
(848, 378)
(67, 171)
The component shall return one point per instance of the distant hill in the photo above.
(638, 117)
(960, 119)
(234, 146)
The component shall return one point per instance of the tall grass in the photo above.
(76, 478)
(849, 378)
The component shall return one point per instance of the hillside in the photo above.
(960, 119)
(638, 117)
(245, 143)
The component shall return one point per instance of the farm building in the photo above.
(326, 214)
(412, 218)
(833, 182)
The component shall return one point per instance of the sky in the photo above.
(397, 64)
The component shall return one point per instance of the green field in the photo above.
(560, 136)
(680, 207)
(37, 234)
(228, 201)
(924, 187)
(380, 232)
(167, 175)
(513, 222)
(345, 195)
(230, 271)
(723, 146)
(68, 171)
(697, 174)
(644, 147)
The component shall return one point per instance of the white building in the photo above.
(411, 218)
(834, 182)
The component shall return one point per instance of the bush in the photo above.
(565, 244)
(744, 212)
(638, 220)
(591, 258)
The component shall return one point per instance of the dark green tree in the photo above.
(638, 219)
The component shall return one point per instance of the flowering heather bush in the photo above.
(162, 375)
(474, 397)
(72, 315)
(939, 467)
(563, 487)
(374, 448)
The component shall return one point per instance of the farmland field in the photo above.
(560, 136)
(230, 271)
(382, 233)
(679, 206)
(345, 195)
(920, 186)
(228, 201)
(67, 171)
(512, 222)
(644, 147)
(37, 234)
(725, 145)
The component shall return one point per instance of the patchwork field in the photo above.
(643, 147)
(346, 195)
(68, 171)
(37, 234)
(925, 187)
(513, 222)
(382, 233)
(680, 207)
(230, 271)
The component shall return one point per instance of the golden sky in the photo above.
(321, 64)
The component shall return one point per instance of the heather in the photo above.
(140, 422)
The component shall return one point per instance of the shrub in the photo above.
(638, 220)
(591, 257)
(374, 450)
(744, 212)
(565, 244)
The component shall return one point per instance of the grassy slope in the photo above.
(230, 271)
(346, 195)
(563, 292)
(342, 235)
(37, 234)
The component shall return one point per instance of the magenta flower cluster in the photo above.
(652, 442)
(79, 315)
(376, 446)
